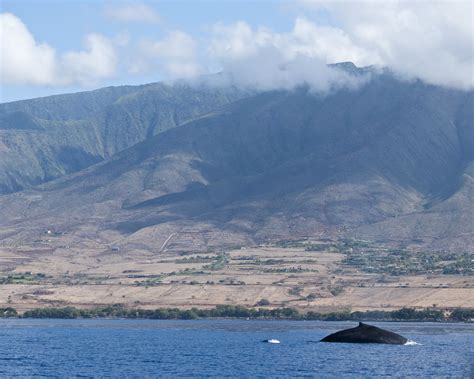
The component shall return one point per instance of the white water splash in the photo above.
(411, 343)
(273, 340)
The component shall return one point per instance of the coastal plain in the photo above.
(309, 275)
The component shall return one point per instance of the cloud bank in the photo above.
(427, 40)
(430, 41)
(267, 60)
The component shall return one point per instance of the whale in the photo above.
(365, 333)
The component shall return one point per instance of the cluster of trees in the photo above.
(235, 311)
(8, 312)
(22, 278)
(462, 315)
(66, 312)
(221, 311)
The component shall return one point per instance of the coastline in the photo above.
(239, 312)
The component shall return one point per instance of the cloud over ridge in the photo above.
(266, 60)
(432, 42)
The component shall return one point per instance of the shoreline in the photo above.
(242, 313)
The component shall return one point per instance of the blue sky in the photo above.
(63, 24)
(51, 47)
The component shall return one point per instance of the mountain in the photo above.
(46, 138)
(390, 161)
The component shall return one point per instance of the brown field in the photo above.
(95, 275)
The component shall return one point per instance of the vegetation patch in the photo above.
(198, 259)
(402, 262)
(236, 311)
(23, 278)
(218, 263)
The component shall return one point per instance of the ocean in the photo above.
(99, 348)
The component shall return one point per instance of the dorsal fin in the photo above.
(361, 324)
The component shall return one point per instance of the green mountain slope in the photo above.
(46, 138)
(390, 161)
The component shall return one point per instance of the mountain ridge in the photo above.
(67, 134)
(386, 161)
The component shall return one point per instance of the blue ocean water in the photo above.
(226, 348)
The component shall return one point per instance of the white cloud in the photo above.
(175, 56)
(132, 13)
(98, 61)
(22, 59)
(268, 60)
(25, 61)
(432, 41)
(329, 44)
(308, 39)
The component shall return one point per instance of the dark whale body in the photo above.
(366, 334)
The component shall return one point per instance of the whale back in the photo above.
(365, 333)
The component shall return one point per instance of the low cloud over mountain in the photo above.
(416, 40)
(389, 160)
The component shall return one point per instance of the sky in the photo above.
(52, 47)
